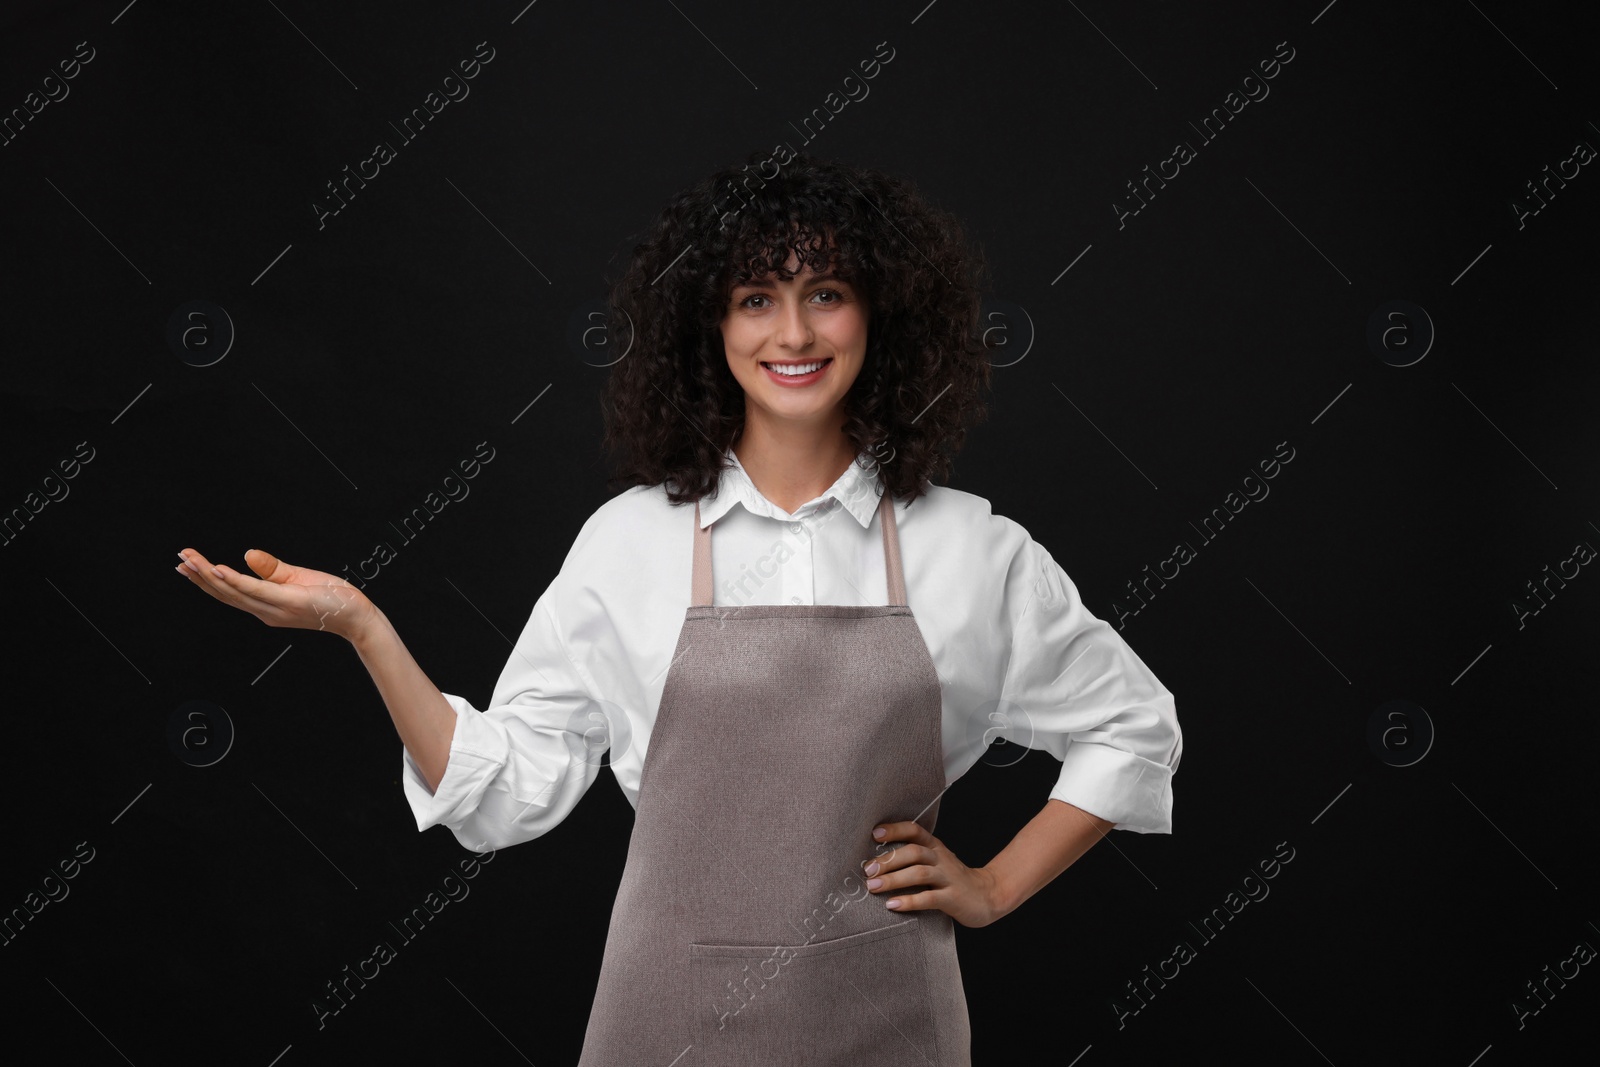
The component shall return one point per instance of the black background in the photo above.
(372, 354)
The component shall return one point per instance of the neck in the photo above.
(791, 464)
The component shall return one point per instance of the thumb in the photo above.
(267, 565)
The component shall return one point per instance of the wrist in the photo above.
(367, 628)
(1000, 896)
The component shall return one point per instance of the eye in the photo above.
(838, 297)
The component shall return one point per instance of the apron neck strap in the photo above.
(895, 578)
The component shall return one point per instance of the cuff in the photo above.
(472, 764)
(1132, 792)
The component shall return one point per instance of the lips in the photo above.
(796, 362)
(796, 379)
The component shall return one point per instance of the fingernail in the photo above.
(879, 833)
(874, 883)
(218, 572)
(181, 569)
(872, 868)
(895, 903)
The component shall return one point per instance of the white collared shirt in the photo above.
(1018, 655)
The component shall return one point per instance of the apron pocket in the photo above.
(858, 999)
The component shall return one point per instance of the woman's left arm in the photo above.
(1072, 687)
(977, 896)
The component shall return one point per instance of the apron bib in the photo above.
(743, 932)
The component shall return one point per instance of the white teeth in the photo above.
(795, 369)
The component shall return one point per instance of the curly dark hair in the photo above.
(672, 406)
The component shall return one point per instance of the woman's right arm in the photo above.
(302, 598)
(495, 777)
(424, 718)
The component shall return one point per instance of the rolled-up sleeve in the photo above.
(519, 766)
(1090, 701)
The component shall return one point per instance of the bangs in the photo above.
(758, 251)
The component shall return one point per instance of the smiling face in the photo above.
(812, 323)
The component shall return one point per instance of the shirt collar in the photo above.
(857, 491)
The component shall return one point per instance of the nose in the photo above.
(793, 328)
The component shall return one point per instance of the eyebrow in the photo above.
(765, 284)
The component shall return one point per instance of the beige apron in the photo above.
(743, 933)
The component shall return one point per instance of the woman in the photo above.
(804, 364)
